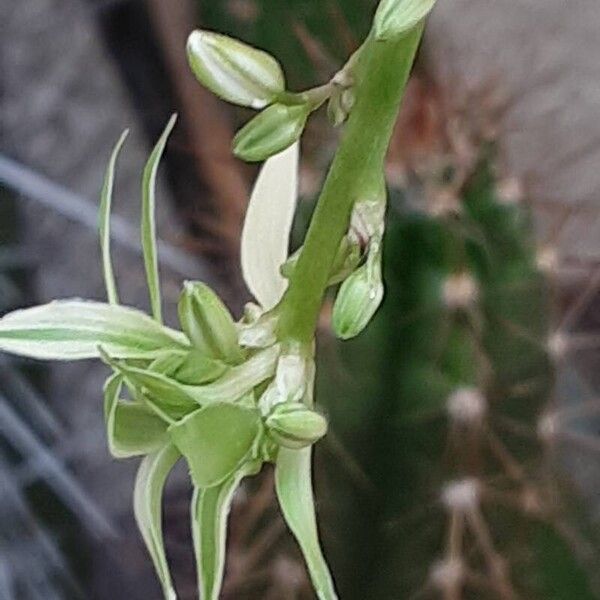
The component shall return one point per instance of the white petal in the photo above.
(265, 237)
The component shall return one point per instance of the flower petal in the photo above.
(266, 232)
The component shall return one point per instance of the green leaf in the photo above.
(216, 440)
(294, 491)
(209, 511)
(233, 70)
(149, 220)
(104, 225)
(270, 132)
(208, 323)
(266, 232)
(74, 329)
(132, 428)
(147, 505)
(397, 17)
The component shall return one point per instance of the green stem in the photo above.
(355, 174)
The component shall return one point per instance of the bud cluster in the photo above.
(247, 76)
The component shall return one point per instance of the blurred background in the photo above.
(464, 455)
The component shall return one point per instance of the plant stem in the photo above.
(356, 173)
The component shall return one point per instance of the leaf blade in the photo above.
(147, 506)
(74, 329)
(104, 221)
(148, 224)
(265, 235)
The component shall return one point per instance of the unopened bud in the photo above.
(271, 132)
(294, 425)
(396, 17)
(358, 299)
(233, 70)
(207, 323)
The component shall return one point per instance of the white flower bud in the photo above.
(396, 17)
(233, 70)
(294, 425)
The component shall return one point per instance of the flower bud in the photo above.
(396, 17)
(233, 70)
(294, 425)
(359, 298)
(271, 132)
(207, 323)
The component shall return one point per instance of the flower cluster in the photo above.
(225, 396)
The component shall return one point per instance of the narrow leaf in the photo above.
(74, 329)
(149, 220)
(104, 225)
(209, 512)
(233, 70)
(132, 428)
(294, 491)
(271, 132)
(147, 505)
(266, 232)
(216, 440)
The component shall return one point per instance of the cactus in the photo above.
(450, 493)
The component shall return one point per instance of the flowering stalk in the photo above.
(355, 175)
